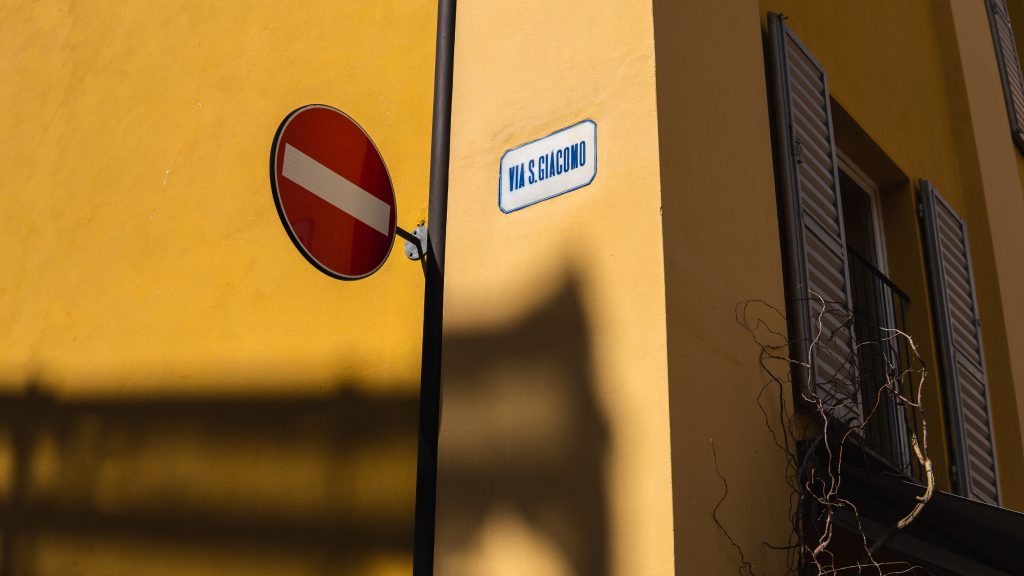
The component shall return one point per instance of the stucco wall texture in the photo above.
(196, 397)
(182, 393)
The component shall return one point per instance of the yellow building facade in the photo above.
(182, 393)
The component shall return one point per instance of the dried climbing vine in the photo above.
(815, 443)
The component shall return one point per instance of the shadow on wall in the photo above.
(268, 485)
(316, 484)
(523, 448)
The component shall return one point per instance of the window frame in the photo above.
(871, 188)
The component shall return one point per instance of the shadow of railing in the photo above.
(325, 478)
(315, 483)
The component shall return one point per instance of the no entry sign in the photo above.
(333, 192)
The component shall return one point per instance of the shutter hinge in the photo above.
(920, 210)
(798, 150)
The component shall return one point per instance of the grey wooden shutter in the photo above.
(815, 244)
(1009, 67)
(962, 358)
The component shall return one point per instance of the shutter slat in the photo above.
(799, 64)
(958, 273)
(825, 263)
(976, 435)
(806, 124)
(984, 463)
(950, 231)
(825, 283)
(1016, 85)
(811, 169)
(964, 319)
(1015, 81)
(976, 408)
(981, 470)
(961, 303)
(815, 157)
(806, 121)
(814, 239)
(819, 212)
(805, 85)
(829, 365)
(982, 481)
(956, 290)
(806, 89)
(955, 313)
(814, 160)
(828, 228)
(1017, 88)
(964, 339)
(953, 251)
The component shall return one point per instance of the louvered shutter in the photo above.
(962, 358)
(815, 244)
(1009, 67)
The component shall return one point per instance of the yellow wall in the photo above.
(591, 336)
(204, 400)
(180, 392)
(995, 210)
(555, 453)
(721, 247)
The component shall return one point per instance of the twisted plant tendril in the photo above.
(814, 441)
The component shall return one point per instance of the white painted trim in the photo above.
(869, 186)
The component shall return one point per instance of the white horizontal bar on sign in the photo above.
(335, 189)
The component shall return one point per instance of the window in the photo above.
(878, 308)
(1009, 67)
(842, 307)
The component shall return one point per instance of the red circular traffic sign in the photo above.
(333, 192)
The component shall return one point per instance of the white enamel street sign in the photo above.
(555, 164)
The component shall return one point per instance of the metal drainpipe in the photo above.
(433, 300)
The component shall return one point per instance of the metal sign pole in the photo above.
(433, 300)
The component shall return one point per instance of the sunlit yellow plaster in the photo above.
(589, 264)
(148, 282)
(141, 242)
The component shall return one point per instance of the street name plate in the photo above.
(560, 162)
